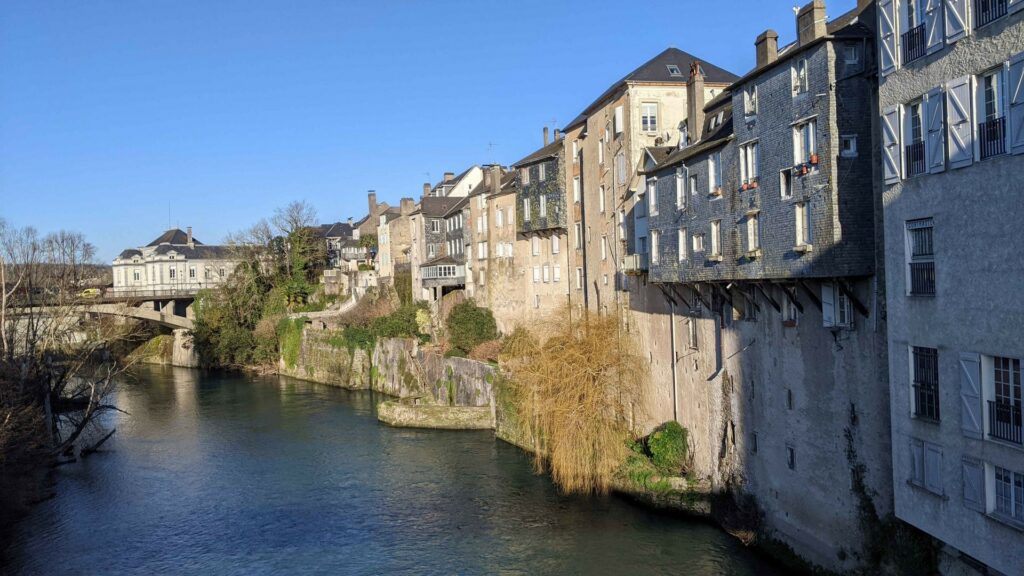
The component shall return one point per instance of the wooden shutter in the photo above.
(828, 305)
(974, 485)
(618, 119)
(933, 468)
(960, 122)
(935, 143)
(887, 37)
(971, 415)
(891, 154)
(934, 31)
(1015, 98)
(956, 20)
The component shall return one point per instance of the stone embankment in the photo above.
(174, 349)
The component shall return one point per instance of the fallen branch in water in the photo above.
(95, 447)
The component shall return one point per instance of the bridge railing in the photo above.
(116, 294)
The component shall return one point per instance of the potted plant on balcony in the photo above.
(814, 159)
(753, 184)
(745, 187)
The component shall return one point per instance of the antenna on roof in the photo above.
(490, 152)
(168, 214)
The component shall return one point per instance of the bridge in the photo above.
(170, 308)
(165, 316)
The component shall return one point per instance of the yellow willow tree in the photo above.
(577, 383)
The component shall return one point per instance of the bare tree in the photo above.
(295, 223)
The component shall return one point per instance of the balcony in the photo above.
(915, 159)
(635, 264)
(922, 278)
(915, 44)
(1004, 421)
(986, 11)
(926, 402)
(992, 137)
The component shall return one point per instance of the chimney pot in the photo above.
(695, 102)
(449, 176)
(767, 47)
(810, 22)
(188, 232)
(426, 189)
(406, 206)
(545, 135)
(495, 173)
(558, 134)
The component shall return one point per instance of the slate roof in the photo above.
(721, 135)
(656, 70)
(437, 206)
(173, 236)
(458, 206)
(336, 230)
(198, 252)
(545, 152)
(129, 253)
(440, 260)
(453, 181)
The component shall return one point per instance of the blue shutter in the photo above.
(956, 20)
(974, 485)
(960, 122)
(935, 142)
(888, 37)
(1015, 98)
(971, 415)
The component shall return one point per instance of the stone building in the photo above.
(175, 262)
(541, 227)
(394, 239)
(951, 94)
(761, 233)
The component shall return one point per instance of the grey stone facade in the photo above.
(954, 440)
(545, 179)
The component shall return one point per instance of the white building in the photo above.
(174, 263)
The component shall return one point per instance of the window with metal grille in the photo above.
(1009, 493)
(921, 257)
(986, 11)
(1005, 410)
(992, 127)
(926, 382)
(915, 146)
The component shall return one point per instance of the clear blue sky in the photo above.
(111, 110)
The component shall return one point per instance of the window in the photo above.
(804, 144)
(543, 171)
(535, 245)
(604, 247)
(791, 457)
(786, 183)
(991, 114)
(800, 77)
(682, 244)
(600, 199)
(716, 238)
(191, 272)
(525, 175)
(680, 189)
(802, 214)
(652, 195)
(536, 274)
(499, 218)
(431, 250)
(536, 300)
(790, 313)
(748, 163)
(1005, 409)
(543, 205)
(649, 117)
(435, 225)
(986, 11)
(913, 132)
(753, 443)
(600, 151)
(578, 229)
(622, 225)
(750, 101)
(715, 173)
(851, 54)
(655, 235)
(848, 146)
(698, 242)
(925, 377)
(914, 40)
(789, 398)
(836, 306)
(620, 168)
(526, 209)
(1009, 494)
(481, 250)
(220, 272)
(693, 184)
(575, 151)
(555, 244)
(921, 261)
(135, 275)
(753, 233)
(547, 273)
(557, 273)
(576, 189)
(691, 331)
(579, 278)
(926, 465)
(673, 70)
(619, 120)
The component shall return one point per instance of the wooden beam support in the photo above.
(695, 288)
(666, 293)
(748, 297)
(766, 296)
(725, 293)
(791, 296)
(680, 296)
(859, 306)
(810, 293)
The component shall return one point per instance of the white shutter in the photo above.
(828, 304)
(960, 122)
(618, 120)
(935, 144)
(934, 31)
(956, 20)
(887, 37)
(891, 154)
(974, 485)
(933, 468)
(971, 416)
(1015, 97)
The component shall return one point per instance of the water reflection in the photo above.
(241, 475)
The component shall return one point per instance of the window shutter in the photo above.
(971, 417)
(933, 468)
(974, 485)
(935, 117)
(891, 154)
(1016, 101)
(933, 25)
(828, 305)
(956, 20)
(959, 122)
(887, 37)
(618, 120)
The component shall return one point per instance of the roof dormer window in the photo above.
(673, 70)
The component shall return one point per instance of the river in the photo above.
(227, 474)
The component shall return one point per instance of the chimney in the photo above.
(495, 173)
(558, 134)
(406, 206)
(349, 221)
(545, 135)
(810, 22)
(449, 176)
(371, 201)
(188, 232)
(426, 189)
(695, 102)
(767, 45)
